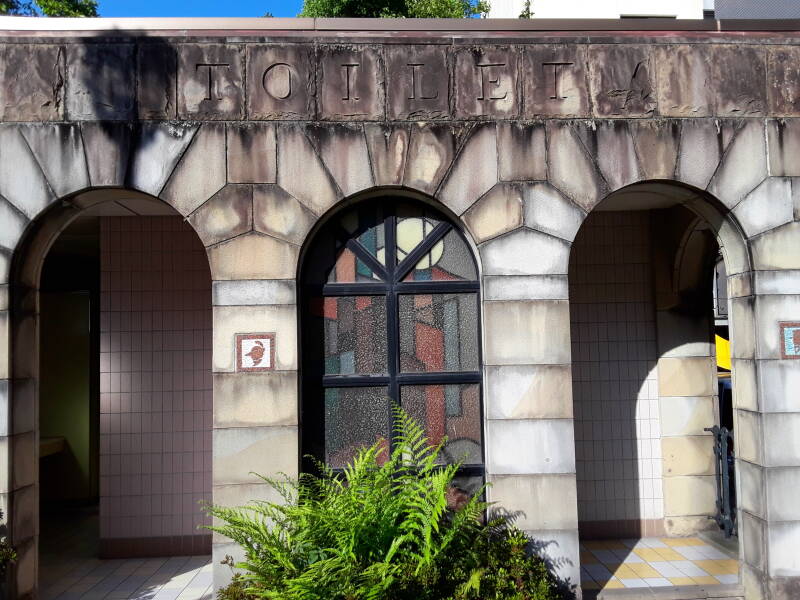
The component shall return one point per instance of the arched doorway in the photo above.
(645, 388)
(111, 325)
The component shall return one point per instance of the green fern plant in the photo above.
(380, 530)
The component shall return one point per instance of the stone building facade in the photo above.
(522, 137)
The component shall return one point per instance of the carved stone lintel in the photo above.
(210, 82)
(280, 81)
(350, 83)
(486, 83)
(554, 80)
(417, 82)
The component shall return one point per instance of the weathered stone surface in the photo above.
(571, 169)
(280, 81)
(783, 447)
(685, 80)
(497, 212)
(777, 249)
(525, 287)
(544, 501)
(474, 171)
(548, 211)
(527, 333)
(782, 486)
(616, 154)
(783, 539)
(253, 292)
(525, 252)
(31, 82)
(688, 415)
(253, 256)
(101, 82)
(682, 335)
(230, 320)
(749, 437)
(430, 153)
(226, 214)
(752, 531)
(210, 81)
(700, 151)
(350, 80)
(241, 451)
(529, 392)
(59, 151)
(388, 146)
(559, 548)
(156, 83)
(783, 137)
(778, 381)
(255, 399)
(742, 317)
(743, 69)
(776, 282)
(157, 149)
(23, 470)
(769, 312)
(252, 153)
(744, 165)
(783, 81)
(301, 172)
(14, 224)
(277, 213)
(656, 144)
(686, 376)
(521, 151)
(688, 455)
(486, 82)
(622, 81)
(766, 207)
(691, 495)
(201, 171)
(107, 148)
(343, 150)
(417, 82)
(21, 179)
(554, 80)
(549, 446)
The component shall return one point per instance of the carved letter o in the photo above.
(277, 81)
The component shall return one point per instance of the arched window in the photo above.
(390, 314)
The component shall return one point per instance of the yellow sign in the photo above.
(723, 352)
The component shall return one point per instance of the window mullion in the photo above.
(392, 318)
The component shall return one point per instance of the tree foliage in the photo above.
(49, 8)
(443, 9)
(389, 528)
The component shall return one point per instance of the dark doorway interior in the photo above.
(70, 391)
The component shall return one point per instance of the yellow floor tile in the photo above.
(613, 585)
(649, 554)
(669, 554)
(718, 567)
(690, 541)
(681, 580)
(587, 558)
(644, 570)
(625, 572)
(708, 580)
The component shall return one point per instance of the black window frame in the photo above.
(312, 385)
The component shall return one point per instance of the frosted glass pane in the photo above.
(448, 410)
(449, 259)
(367, 226)
(350, 269)
(438, 332)
(354, 334)
(354, 418)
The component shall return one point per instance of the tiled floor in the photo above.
(655, 562)
(69, 569)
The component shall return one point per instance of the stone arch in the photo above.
(22, 379)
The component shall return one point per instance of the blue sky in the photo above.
(198, 8)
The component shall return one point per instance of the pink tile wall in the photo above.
(615, 383)
(155, 378)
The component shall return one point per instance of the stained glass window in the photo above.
(391, 316)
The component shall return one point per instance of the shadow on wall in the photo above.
(640, 285)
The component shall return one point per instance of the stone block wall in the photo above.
(517, 167)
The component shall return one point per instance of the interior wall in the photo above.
(156, 399)
(615, 376)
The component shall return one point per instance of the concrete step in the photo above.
(689, 592)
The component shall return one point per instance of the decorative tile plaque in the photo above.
(790, 339)
(255, 352)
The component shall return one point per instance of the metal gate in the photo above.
(726, 490)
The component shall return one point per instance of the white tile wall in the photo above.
(155, 378)
(617, 429)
